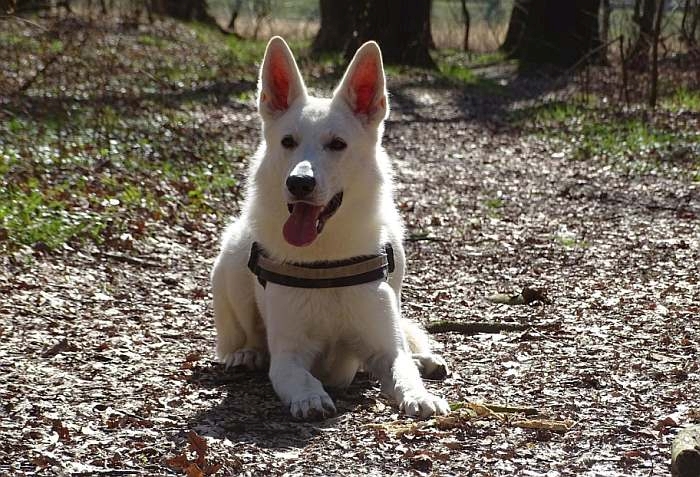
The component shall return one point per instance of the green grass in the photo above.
(611, 135)
(494, 206)
(32, 214)
(458, 73)
(683, 98)
(74, 172)
(569, 241)
(50, 193)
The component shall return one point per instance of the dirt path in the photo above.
(107, 361)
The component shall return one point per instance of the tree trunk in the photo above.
(605, 28)
(516, 26)
(236, 10)
(402, 29)
(644, 11)
(336, 27)
(467, 24)
(653, 93)
(186, 10)
(560, 33)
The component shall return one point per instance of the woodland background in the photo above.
(548, 170)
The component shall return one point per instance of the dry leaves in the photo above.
(107, 362)
(199, 467)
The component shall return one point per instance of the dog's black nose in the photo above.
(301, 186)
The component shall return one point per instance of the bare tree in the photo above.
(690, 22)
(605, 26)
(653, 93)
(467, 24)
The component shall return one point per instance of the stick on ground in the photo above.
(473, 327)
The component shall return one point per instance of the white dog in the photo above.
(301, 280)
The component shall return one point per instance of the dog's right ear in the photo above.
(280, 82)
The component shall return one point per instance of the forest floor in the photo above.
(123, 151)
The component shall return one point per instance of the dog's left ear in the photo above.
(363, 85)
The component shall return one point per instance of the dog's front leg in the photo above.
(292, 355)
(297, 387)
(390, 360)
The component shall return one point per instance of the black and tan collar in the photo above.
(340, 273)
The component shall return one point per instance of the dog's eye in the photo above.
(336, 144)
(288, 142)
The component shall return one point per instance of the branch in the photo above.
(424, 238)
(130, 260)
(474, 327)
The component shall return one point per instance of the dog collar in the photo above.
(340, 273)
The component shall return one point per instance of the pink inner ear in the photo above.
(278, 77)
(364, 85)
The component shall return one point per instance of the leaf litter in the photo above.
(107, 359)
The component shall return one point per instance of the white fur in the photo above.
(315, 336)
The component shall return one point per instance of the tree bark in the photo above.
(185, 10)
(234, 16)
(402, 29)
(653, 93)
(336, 27)
(467, 24)
(689, 23)
(644, 11)
(605, 27)
(560, 33)
(516, 26)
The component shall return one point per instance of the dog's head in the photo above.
(320, 151)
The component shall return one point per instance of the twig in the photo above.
(528, 411)
(23, 20)
(624, 93)
(474, 327)
(128, 259)
(545, 424)
(424, 238)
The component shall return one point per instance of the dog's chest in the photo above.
(326, 312)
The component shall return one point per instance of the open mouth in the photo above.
(307, 220)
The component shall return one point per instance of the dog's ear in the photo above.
(363, 85)
(280, 82)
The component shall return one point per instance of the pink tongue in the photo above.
(300, 227)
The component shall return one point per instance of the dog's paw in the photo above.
(249, 358)
(424, 405)
(431, 366)
(312, 406)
